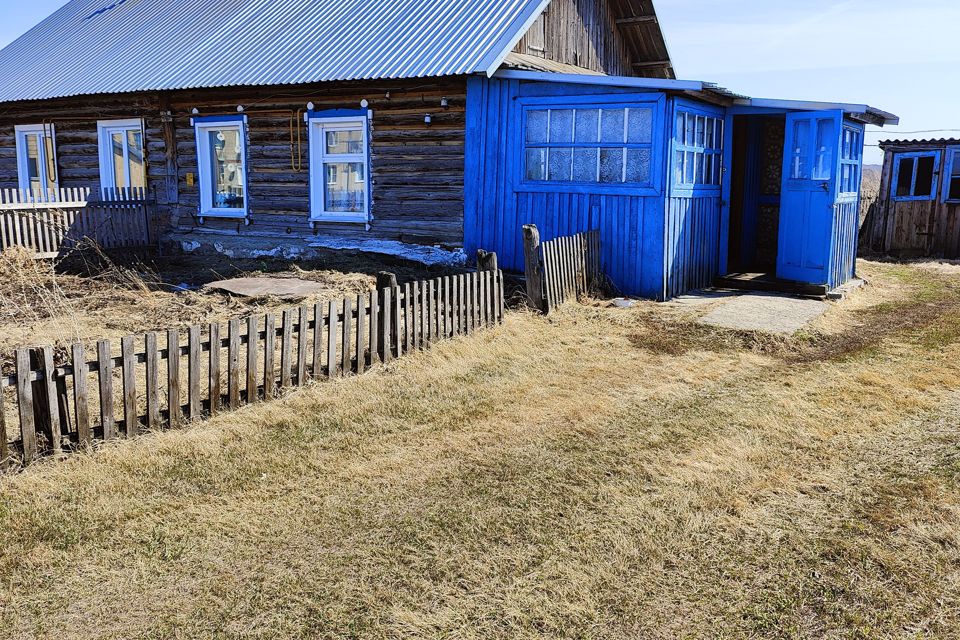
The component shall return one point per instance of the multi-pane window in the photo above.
(851, 154)
(698, 148)
(122, 163)
(339, 167)
(221, 159)
(953, 176)
(915, 175)
(811, 157)
(36, 158)
(589, 145)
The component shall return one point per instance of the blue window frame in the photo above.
(582, 143)
(697, 148)
(915, 175)
(951, 179)
(851, 156)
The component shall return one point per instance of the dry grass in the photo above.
(547, 479)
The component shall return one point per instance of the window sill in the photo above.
(221, 214)
(597, 188)
(914, 199)
(339, 219)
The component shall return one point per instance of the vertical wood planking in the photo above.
(361, 333)
(253, 344)
(374, 326)
(269, 349)
(396, 335)
(317, 370)
(81, 397)
(153, 382)
(131, 423)
(286, 350)
(233, 363)
(52, 409)
(105, 379)
(28, 427)
(346, 361)
(174, 410)
(195, 401)
(386, 312)
(214, 370)
(414, 306)
(332, 339)
(4, 436)
(303, 335)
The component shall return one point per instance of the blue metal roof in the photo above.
(115, 46)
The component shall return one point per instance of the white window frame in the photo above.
(318, 128)
(205, 182)
(105, 130)
(20, 133)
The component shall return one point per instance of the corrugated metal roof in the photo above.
(116, 46)
(931, 142)
(527, 62)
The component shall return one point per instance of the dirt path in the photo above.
(605, 473)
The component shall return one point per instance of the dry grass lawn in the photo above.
(602, 474)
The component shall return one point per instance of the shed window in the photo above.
(36, 158)
(589, 145)
(221, 159)
(953, 176)
(698, 150)
(339, 166)
(915, 175)
(851, 154)
(122, 163)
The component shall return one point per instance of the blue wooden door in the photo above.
(810, 191)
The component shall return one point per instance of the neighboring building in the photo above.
(918, 210)
(429, 129)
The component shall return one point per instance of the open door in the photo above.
(810, 193)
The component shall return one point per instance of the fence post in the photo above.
(532, 269)
(486, 261)
(385, 281)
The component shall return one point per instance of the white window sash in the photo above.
(105, 131)
(206, 181)
(319, 158)
(21, 132)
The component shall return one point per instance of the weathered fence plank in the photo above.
(269, 351)
(253, 344)
(105, 379)
(233, 363)
(131, 423)
(28, 427)
(193, 373)
(174, 409)
(153, 382)
(214, 368)
(80, 394)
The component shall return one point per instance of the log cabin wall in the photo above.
(582, 33)
(416, 169)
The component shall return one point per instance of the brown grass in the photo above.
(551, 478)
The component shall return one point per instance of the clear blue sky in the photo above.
(830, 50)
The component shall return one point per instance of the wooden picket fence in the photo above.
(562, 269)
(50, 222)
(55, 404)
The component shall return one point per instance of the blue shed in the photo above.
(686, 181)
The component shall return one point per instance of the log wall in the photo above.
(416, 169)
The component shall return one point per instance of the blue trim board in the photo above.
(338, 113)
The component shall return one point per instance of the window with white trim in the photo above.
(698, 148)
(339, 169)
(122, 162)
(221, 162)
(589, 145)
(36, 157)
(915, 175)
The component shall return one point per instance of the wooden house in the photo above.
(917, 212)
(430, 129)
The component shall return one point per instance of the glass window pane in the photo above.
(536, 164)
(612, 126)
(537, 122)
(585, 164)
(955, 189)
(561, 125)
(823, 165)
(711, 144)
(678, 169)
(681, 126)
(701, 130)
(800, 165)
(924, 183)
(33, 162)
(690, 127)
(718, 169)
(344, 141)
(345, 187)
(119, 167)
(135, 153)
(905, 177)
(611, 165)
(955, 170)
(640, 126)
(690, 168)
(560, 165)
(588, 125)
(226, 168)
(638, 165)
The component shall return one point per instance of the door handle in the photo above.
(825, 186)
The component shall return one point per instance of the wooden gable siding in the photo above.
(582, 33)
(912, 228)
(416, 169)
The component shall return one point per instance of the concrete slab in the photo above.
(286, 288)
(765, 312)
